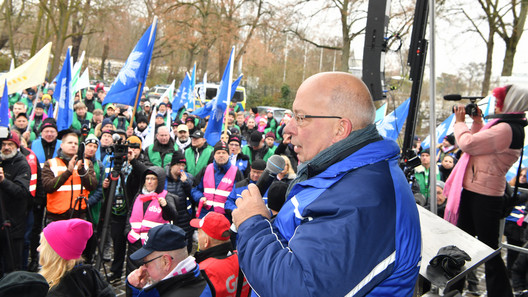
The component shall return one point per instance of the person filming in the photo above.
(476, 185)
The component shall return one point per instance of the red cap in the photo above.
(14, 138)
(213, 224)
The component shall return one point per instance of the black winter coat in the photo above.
(14, 192)
(82, 281)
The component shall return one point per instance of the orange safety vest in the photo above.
(33, 163)
(223, 274)
(64, 198)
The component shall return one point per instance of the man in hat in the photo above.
(198, 154)
(217, 257)
(141, 130)
(269, 139)
(215, 182)
(166, 267)
(190, 121)
(421, 173)
(183, 141)
(15, 175)
(271, 124)
(179, 183)
(68, 180)
(110, 111)
(236, 157)
(38, 117)
(21, 125)
(47, 145)
(256, 148)
(160, 152)
(256, 170)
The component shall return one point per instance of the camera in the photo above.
(471, 108)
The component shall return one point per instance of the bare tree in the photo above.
(511, 32)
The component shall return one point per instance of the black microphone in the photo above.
(458, 97)
(274, 166)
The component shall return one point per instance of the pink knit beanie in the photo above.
(68, 238)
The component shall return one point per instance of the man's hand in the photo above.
(2, 176)
(460, 113)
(71, 164)
(139, 277)
(286, 138)
(183, 176)
(106, 183)
(251, 204)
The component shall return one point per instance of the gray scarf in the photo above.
(335, 153)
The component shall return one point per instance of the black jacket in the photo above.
(14, 192)
(182, 192)
(82, 281)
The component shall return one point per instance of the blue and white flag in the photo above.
(181, 95)
(134, 73)
(4, 108)
(207, 109)
(380, 112)
(392, 124)
(214, 126)
(63, 95)
(445, 128)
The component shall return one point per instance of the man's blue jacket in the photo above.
(352, 230)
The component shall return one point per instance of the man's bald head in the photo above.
(344, 95)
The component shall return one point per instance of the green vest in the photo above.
(194, 167)
(76, 124)
(246, 151)
(155, 157)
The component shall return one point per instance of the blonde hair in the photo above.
(54, 267)
(291, 173)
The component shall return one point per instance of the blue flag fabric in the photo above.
(63, 95)
(214, 126)
(392, 124)
(445, 128)
(4, 108)
(125, 87)
(50, 110)
(206, 110)
(181, 95)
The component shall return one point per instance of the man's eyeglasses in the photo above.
(299, 118)
(148, 261)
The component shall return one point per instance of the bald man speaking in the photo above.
(350, 226)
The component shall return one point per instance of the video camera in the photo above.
(471, 108)
(120, 150)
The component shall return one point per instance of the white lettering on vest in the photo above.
(231, 284)
(227, 180)
(155, 209)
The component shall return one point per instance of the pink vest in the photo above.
(217, 197)
(141, 222)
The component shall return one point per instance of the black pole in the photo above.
(6, 226)
(114, 177)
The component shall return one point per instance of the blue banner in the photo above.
(63, 95)
(445, 128)
(214, 126)
(392, 123)
(181, 95)
(4, 108)
(134, 73)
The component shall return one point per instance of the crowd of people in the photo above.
(184, 217)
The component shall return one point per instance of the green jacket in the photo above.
(246, 150)
(194, 167)
(422, 178)
(155, 157)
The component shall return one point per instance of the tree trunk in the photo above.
(9, 26)
(345, 52)
(38, 31)
(489, 64)
(507, 66)
(60, 39)
(104, 56)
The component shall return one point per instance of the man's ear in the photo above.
(343, 129)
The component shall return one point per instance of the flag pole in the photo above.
(135, 105)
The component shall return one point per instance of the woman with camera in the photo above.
(476, 186)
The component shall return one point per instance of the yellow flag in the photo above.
(29, 74)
